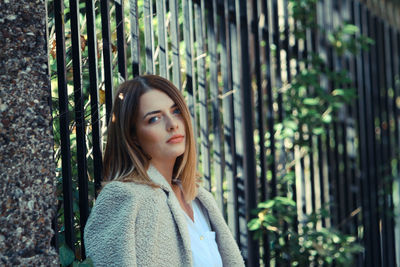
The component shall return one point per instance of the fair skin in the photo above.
(161, 134)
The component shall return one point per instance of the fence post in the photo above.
(27, 167)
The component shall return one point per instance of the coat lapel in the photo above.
(226, 243)
(176, 210)
(213, 211)
(228, 249)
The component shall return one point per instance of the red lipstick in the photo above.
(177, 138)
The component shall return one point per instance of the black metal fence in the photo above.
(232, 59)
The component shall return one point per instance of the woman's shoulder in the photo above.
(120, 199)
(128, 190)
(202, 192)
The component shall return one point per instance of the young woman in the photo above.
(152, 211)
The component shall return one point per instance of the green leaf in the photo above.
(350, 29)
(311, 101)
(266, 204)
(290, 124)
(286, 201)
(327, 118)
(67, 256)
(331, 38)
(269, 220)
(254, 224)
(340, 92)
(318, 130)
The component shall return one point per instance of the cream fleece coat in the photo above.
(136, 225)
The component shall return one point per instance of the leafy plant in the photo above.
(312, 100)
(307, 245)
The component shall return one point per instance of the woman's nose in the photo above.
(172, 123)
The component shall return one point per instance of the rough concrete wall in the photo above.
(27, 168)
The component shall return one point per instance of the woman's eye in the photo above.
(153, 119)
(177, 111)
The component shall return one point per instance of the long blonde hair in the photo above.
(124, 160)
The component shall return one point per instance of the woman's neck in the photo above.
(165, 168)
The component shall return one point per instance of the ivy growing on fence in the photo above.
(299, 239)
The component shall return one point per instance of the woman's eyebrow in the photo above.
(151, 112)
(156, 111)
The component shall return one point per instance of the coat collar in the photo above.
(158, 178)
(176, 211)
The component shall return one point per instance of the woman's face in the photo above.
(160, 127)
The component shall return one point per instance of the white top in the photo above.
(202, 240)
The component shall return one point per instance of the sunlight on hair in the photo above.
(113, 118)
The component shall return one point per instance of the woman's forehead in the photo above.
(155, 100)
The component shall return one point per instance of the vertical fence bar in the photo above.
(203, 98)
(300, 179)
(162, 39)
(349, 133)
(190, 87)
(121, 43)
(260, 97)
(218, 159)
(258, 24)
(149, 36)
(355, 171)
(396, 49)
(370, 68)
(346, 126)
(266, 36)
(228, 124)
(275, 34)
(135, 40)
(380, 137)
(176, 65)
(64, 124)
(323, 146)
(246, 149)
(339, 128)
(94, 97)
(286, 43)
(107, 56)
(388, 184)
(374, 125)
(395, 35)
(331, 137)
(363, 150)
(238, 156)
(311, 48)
(79, 117)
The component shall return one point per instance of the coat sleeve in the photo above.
(119, 227)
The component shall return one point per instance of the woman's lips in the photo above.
(175, 139)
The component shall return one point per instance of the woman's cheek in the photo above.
(151, 136)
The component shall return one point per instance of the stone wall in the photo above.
(27, 168)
